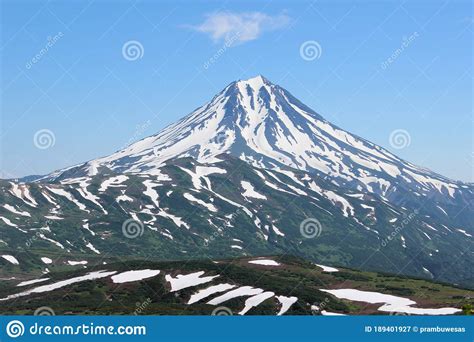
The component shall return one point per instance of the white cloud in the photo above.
(240, 27)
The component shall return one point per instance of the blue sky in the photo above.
(381, 66)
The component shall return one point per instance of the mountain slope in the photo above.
(240, 176)
(271, 285)
(231, 209)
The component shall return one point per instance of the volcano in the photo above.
(252, 172)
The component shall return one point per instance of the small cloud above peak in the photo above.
(240, 27)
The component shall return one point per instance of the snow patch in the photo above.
(182, 281)
(327, 268)
(239, 292)
(208, 206)
(75, 263)
(255, 301)
(10, 259)
(265, 262)
(204, 293)
(390, 303)
(249, 191)
(60, 284)
(286, 303)
(130, 276)
(30, 282)
(46, 260)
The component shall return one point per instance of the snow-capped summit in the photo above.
(264, 125)
(255, 82)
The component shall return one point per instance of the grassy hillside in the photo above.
(293, 277)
